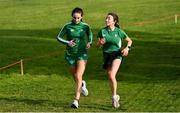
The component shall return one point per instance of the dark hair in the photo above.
(77, 10)
(116, 19)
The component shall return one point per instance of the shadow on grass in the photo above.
(27, 101)
(149, 58)
(32, 102)
(45, 33)
(56, 105)
(97, 107)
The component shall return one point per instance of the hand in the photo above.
(88, 45)
(71, 43)
(125, 51)
(102, 41)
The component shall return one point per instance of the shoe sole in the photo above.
(73, 106)
(84, 91)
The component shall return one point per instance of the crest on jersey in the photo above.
(81, 30)
(71, 30)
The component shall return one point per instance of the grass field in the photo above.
(149, 77)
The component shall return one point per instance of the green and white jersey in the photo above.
(78, 33)
(113, 39)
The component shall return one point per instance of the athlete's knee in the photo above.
(111, 76)
(78, 78)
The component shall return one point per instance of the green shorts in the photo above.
(109, 57)
(72, 59)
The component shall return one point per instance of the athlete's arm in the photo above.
(101, 40)
(90, 36)
(125, 51)
(61, 35)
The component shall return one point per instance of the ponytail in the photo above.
(117, 25)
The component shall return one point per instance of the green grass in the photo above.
(148, 80)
